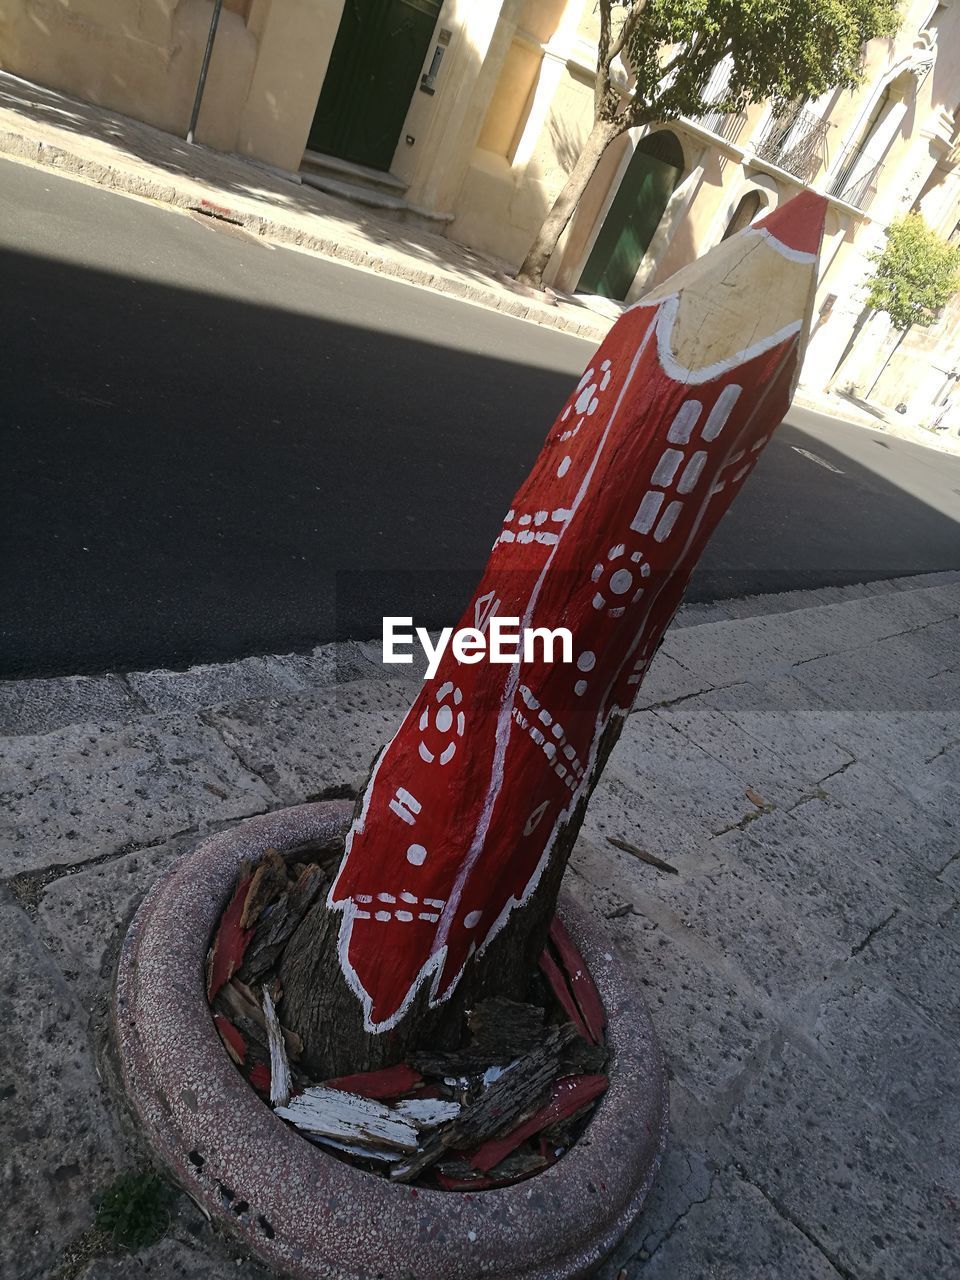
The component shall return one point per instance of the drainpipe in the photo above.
(204, 68)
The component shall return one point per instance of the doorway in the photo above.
(652, 175)
(375, 63)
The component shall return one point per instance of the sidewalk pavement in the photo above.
(862, 414)
(796, 758)
(49, 128)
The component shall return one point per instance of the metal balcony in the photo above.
(856, 178)
(725, 124)
(795, 141)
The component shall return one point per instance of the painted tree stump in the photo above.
(477, 800)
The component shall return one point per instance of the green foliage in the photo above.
(135, 1209)
(779, 49)
(916, 273)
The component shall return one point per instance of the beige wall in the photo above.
(143, 59)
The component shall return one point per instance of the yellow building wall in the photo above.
(143, 60)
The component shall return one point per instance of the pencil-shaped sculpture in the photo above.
(466, 806)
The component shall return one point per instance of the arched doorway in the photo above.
(652, 175)
(745, 212)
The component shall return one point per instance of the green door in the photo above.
(651, 177)
(375, 64)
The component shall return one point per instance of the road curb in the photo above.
(18, 146)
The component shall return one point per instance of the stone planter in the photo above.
(307, 1213)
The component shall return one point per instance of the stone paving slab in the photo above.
(214, 684)
(734, 1233)
(37, 706)
(886, 1051)
(803, 965)
(79, 793)
(57, 1131)
(175, 1259)
(315, 743)
(83, 916)
(828, 1163)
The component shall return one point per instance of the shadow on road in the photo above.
(191, 478)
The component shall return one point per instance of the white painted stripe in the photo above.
(667, 521)
(692, 472)
(686, 419)
(642, 522)
(669, 307)
(666, 468)
(795, 255)
(718, 415)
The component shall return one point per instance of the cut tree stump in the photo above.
(452, 867)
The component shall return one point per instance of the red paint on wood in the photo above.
(581, 983)
(458, 820)
(389, 1083)
(230, 942)
(558, 985)
(259, 1077)
(569, 1095)
(232, 1038)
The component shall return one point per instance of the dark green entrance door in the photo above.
(651, 177)
(375, 64)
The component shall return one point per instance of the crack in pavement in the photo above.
(862, 945)
(789, 1216)
(679, 1218)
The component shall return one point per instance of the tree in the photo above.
(780, 49)
(916, 273)
(449, 881)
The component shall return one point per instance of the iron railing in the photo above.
(856, 178)
(724, 124)
(795, 141)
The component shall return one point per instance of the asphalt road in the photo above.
(213, 448)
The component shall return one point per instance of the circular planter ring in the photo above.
(309, 1214)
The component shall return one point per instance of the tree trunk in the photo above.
(555, 223)
(450, 882)
(326, 1014)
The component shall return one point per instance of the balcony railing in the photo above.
(795, 141)
(857, 177)
(725, 124)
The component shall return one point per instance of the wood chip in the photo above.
(581, 983)
(517, 1167)
(259, 1077)
(426, 1113)
(233, 1040)
(241, 1005)
(558, 985)
(348, 1118)
(230, 942)
(392, 1082)
(274, 932)
(516, 1094)
(642, 854)
(268, 883)
(280, 1081)
(755, 798)
(569, 1097)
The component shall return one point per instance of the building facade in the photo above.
(468, 115)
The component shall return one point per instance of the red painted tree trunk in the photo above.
(456, 853)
